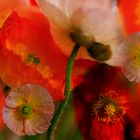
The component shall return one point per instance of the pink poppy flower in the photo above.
(28, 110)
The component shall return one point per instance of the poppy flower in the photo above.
(29, 54)
(94, 25)
(129, 48)
(104, 104)
(28, 110)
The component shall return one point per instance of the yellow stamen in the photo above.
(109, 107)
(26, 110)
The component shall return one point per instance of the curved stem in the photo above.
(62, 105)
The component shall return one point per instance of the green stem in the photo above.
(62, 105)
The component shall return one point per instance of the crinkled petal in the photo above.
(129, 52)
(29, 129)
(13, 121)
(14, 99)
(36, 92)
(42, 110)
(131, 71)
(38, 123)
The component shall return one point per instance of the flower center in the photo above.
(97, 51)
(78, 37)
(26, 110)
(31, 58)
(108, 110)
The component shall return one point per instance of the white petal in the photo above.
(69, 6)
(105, 26)
(131, 71)
(55, 15)
(129, 49)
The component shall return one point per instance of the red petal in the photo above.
(130, 11)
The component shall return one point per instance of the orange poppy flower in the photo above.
(29, 54)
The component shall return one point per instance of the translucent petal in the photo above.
(65, 43)
(13, 121)
(15, 98)
(130, 50)
(39, 118)
(131, 71)
(69, 7)
(105, 26)
(66, 6)
(39, 123)
(55, 14)
(29, 130)
(96, 18)
(37, 92)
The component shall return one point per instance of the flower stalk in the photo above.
(63, 105)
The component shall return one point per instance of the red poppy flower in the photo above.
(29, 54)
(104, 105)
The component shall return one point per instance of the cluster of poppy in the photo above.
(34, 50)
(105, 105)
(29, 58)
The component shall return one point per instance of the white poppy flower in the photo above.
(93, 24)
(129, 52)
